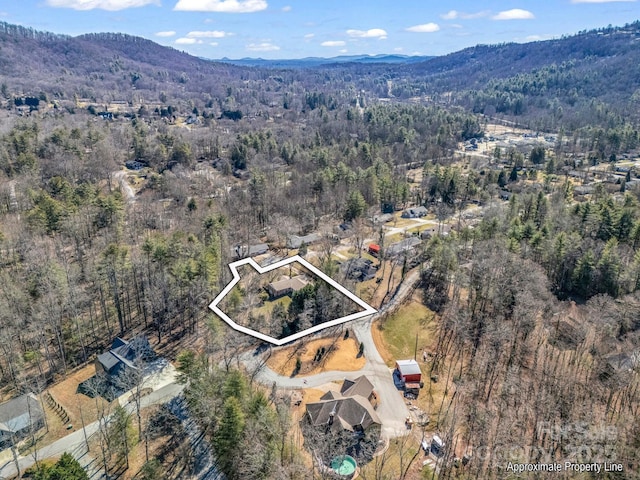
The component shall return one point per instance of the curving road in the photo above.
(392, 409)
(75, 444)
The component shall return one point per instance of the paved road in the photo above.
(392, 408)
(74, 443)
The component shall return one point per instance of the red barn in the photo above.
(374, 249)
(409, 371)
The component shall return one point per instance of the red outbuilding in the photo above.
(409, 371)
(374, 249)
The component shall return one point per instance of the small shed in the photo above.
(374, 249)
(409, 371)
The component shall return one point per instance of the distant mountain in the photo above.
(309, 62)
(104, 66)
(592, 78)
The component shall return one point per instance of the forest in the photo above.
(125, 187)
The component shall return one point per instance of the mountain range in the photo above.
(558, 76)
(321, 61)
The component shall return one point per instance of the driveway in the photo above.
(74, 443)
(392, 408)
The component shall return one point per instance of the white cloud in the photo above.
(398, 49)
(222, 6)
(209, 34)
(186, 41)
(371, 33)
(333, 43)
(110, 5)
(286, 8)
(424, 28)
(600, 1)
(262, 47)
(514, 14)
(343, 50)
(534, 38)
(455, 14)
(310, 35)
(169, 33)
(214, 44)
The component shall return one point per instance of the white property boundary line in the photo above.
(368, 309)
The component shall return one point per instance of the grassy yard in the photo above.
(397, 335)
(269, 305)
(396, 339)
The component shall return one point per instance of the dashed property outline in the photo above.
(368, 309)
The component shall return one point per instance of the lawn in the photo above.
(397, 335)
(269, 305)
(396, 339)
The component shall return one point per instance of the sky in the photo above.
(280, 29)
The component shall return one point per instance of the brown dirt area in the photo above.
(74, 403)
(342, 356)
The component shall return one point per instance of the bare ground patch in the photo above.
(339, 354)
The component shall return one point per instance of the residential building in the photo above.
(19, 417)
(415, 212)
(295, 241)
(286, 286)
(124, 355)
(349, 409)
(402, 246)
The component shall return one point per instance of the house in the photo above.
(295, 241)
(360, 269)
(124, 355)
(374, 249)
(383, 218)
(408, 371)
(583, 189)
(19, 417)
(360, 386)
(402, 246)
(242, 251)
(134, 165)
(415, 212)
(286, 286)
(349, 409)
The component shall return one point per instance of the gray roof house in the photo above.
(286, 286)
(415, 212)
(295, 241)
(402, 246)
(242, 251)
(124, 355)
(19, 417)
(348, 409)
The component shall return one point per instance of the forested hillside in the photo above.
(132, 174)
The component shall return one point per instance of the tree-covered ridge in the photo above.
(586, 248)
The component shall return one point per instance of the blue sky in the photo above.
(300, 28)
